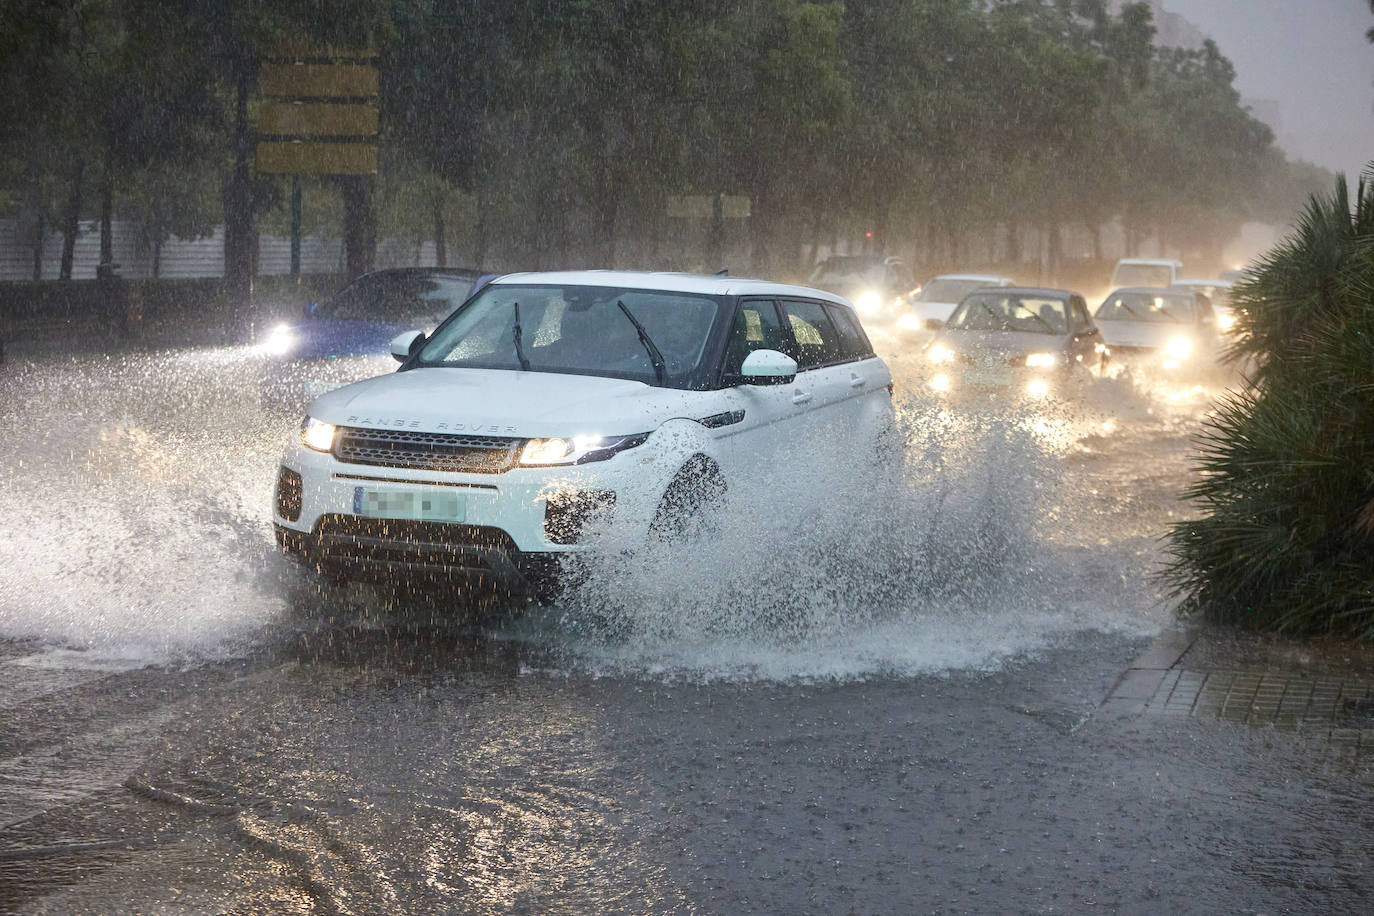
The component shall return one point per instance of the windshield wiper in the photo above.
(519, 350)
(660, 367)
(1129, 309)
(1031, 312)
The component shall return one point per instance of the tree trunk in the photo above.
(440, 236)
(38, 231)
(1055, 250)
(360, 225)
(1013, 242)
(157, 259)
(107, 214)
(479, 240)
(71, 220)
(238, 215)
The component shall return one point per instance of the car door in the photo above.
(758, 416)
(869, 400)
(821, 360)
(1085, 336)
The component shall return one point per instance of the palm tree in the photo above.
(1285, 540)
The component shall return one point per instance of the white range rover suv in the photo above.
(550, 405)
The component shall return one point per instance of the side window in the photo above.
(818, 342)
(1078, 313)
(756, 327)
(853, 344)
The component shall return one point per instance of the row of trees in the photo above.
(552, 132)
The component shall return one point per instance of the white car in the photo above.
(553, 405)
(931, 306)
(1145, 272)
(1219, 293)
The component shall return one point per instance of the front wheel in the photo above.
(691, 506)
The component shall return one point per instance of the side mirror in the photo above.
(404, 345)
(768, 367)
(311, 308)
(934, 324)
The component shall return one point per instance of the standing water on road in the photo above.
(137, 489)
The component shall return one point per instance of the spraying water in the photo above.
(137, 501)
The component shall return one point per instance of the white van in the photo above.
(1147, 272)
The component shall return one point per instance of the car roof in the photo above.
(663, 281)
(992, 277)
(1041, 291)
(1151, 291)
(1194, 281)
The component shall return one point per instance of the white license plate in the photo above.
(417, 504)
(988, 378)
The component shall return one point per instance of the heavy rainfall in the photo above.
(782, 457)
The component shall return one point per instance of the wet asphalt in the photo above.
(292, 748)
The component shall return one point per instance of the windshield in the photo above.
(1143, 275)
(399, 298)
(578, 330)
(847, 271)
(943, 289)
(993, 311)
(1147, 307)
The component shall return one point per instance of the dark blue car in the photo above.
(346, 338)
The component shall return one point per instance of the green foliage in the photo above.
(1287, 466)
(554, 131)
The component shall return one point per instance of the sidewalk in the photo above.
(1206, 672)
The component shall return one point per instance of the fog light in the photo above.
(289, 491)
(568, 515)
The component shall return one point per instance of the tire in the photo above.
(692, 503)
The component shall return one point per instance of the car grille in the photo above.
(396, 448)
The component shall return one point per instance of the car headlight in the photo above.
(318, 434)
(1178, 348)
(576, 449)
(1041, 360)
(1226, 320)
(940, 354)
(279, 341)
(910, 323)
(868, 301)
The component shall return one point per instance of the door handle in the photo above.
(801, 397)
(856, 380)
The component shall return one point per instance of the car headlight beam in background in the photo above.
(279, 341)
(868, 302)
(1178, 348)
(940, 354)
(318, 435)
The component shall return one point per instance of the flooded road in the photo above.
(888, 709)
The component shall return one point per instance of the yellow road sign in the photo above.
(318, 81)
(317, 119)
(317, 158)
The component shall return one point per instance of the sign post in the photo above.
(318, 116)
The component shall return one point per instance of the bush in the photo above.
(1286, 538)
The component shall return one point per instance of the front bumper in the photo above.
(512, 529)
(960, 379)
(389, 549)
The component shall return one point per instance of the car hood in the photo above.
(1151, 334)
(328, 338)
(499, 402)
(1005, 344)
